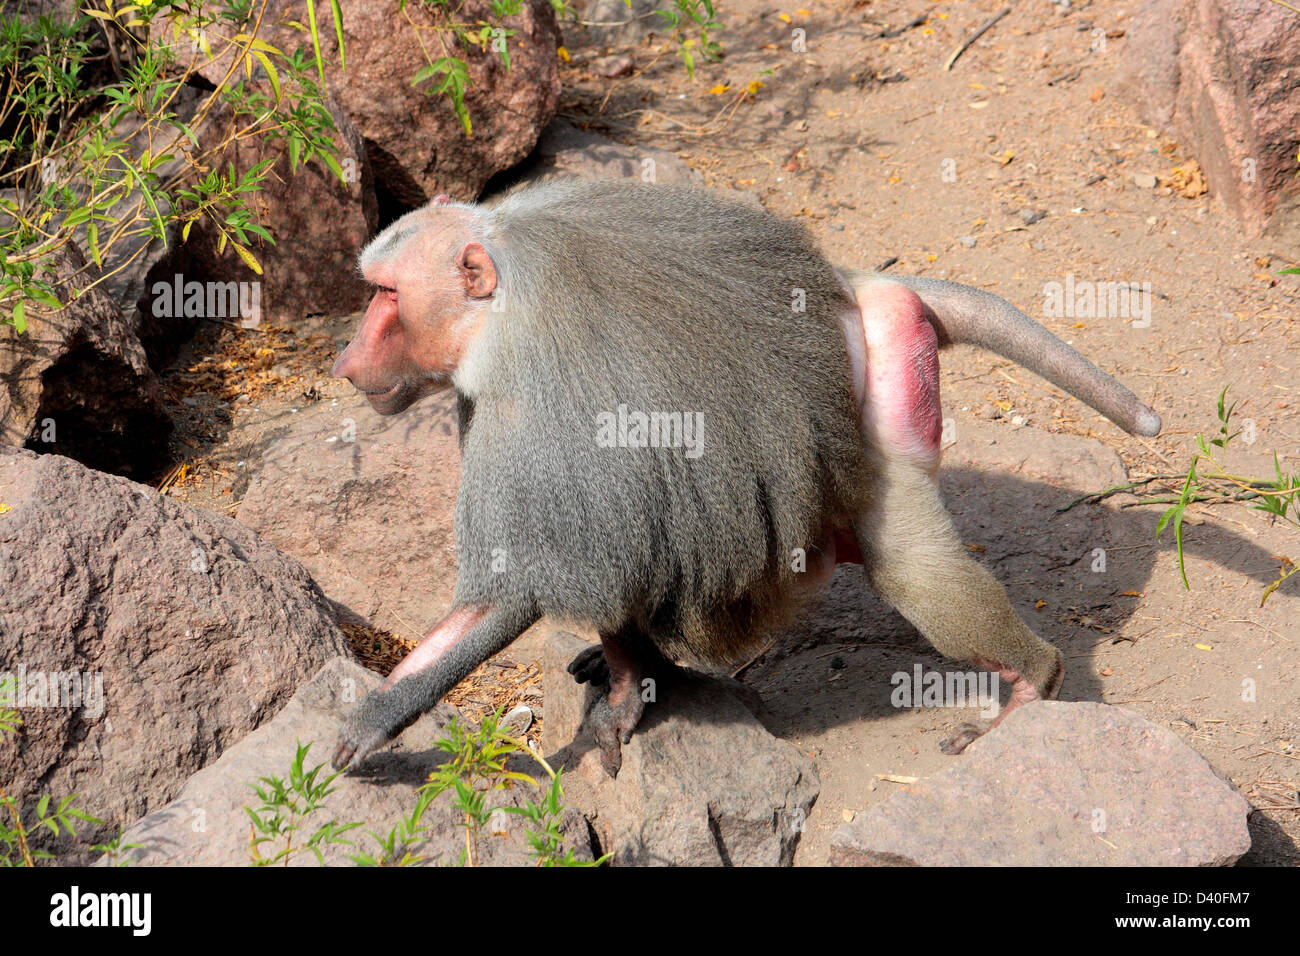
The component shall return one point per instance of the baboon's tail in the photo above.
(960, 313)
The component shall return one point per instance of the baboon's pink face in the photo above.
(422, 318)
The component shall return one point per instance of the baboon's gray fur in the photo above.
(669, 300)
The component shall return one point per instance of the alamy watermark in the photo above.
(627, 428)
(922, 688)
(72, 690)
(211, 300)
(1084, 299)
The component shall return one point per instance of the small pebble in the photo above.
(518, 720)
(1031, 216)
(612, 66)
(968, 241)
(1144, 181)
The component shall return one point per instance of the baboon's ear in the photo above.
(477, 271)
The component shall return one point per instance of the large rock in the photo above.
(319, 224)
(367, 503)
(619, 22)
(134, 263)
(566, 151)
(1224, 77)
(167, 633)
(1059, 784)
(416, 143)
(206, 825)
(702, 782)
(77, 382)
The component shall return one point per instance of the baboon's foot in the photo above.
(589, 666)
(1022, 692)
(612, 721)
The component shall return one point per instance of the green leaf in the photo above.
(1274, 586)
(271, 73)
(337, 11)
(315, 41)
(334, 166)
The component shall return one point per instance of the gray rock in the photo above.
(621, 21)
(206, 825)
(518, 720)
(968, 241)
(367, 504)
(415, 142)
(565, 150)
(703, 783)
(1059, 784)
(1223, 78)
(613, 66)
(181, 629)
(78, 383)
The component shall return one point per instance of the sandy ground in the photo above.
(883, 154)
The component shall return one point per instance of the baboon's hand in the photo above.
(379, 718)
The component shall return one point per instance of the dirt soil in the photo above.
(886, 156)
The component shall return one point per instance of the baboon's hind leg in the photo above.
(916, 562)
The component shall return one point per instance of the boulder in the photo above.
(206, 825)
(1059, 784)
(368, 504)
(145, 635)
(702, 782)
(566, 151)
(1223, 76)
(319, 224)
(620, 22)
(415, 141)
(77, 382)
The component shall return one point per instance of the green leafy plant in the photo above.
(99, 154)
(1208, 482)
(17, 828)
(285, 826)
(282, 827)
(477, 767)
(448, 75)
(693, 23)
(115, 850)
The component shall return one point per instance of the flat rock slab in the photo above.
(207, 826)
(703, 783)
(1059, 784)
(367, 504)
